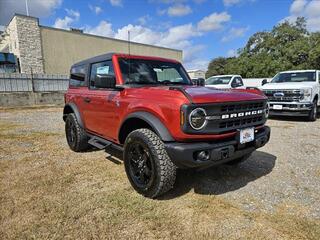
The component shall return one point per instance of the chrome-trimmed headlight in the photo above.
(197, 118)
(267, 110)
(307, 94)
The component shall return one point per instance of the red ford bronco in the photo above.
(148, 108)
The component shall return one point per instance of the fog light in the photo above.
(203, 156)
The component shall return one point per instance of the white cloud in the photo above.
(144, 19)
(178, 37)
(137, 34)
(297, 6)
(67, 21)
(37, 8)
(229, 3)
(235, 33)
(96, 9)
(73, 13)
(197, 63)
(63, 23)
(308, 9)
(102, 29)
(116, 3)
(179, 10)
(213, 22)
(313, 9)
(232, 53)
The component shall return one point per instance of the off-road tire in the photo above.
(314, 112)
(79, 143)
(164, 170)
(237, 161)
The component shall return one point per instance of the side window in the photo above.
(100, 69)
(319, 76)
(77, 76)
(237, 82)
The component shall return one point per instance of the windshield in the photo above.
(152, 72)
(295, 77)
(218, 80)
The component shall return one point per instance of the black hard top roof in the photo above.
(99, 58)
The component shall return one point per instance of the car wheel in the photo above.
(314, 112)
(76, 137)
(148, 166)
(237, 161)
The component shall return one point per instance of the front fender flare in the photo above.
(159, 128)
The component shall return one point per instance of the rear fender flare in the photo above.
(75, 110)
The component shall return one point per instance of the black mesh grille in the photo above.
(240, 122)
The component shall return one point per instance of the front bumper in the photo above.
(290, 109)
(183, 154)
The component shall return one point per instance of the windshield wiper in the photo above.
(174, 83)
(142, 82)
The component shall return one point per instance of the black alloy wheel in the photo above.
(77, 138)
(140, 164)
(148, 166)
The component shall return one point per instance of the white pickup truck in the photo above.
(225, 82)
(294, 93)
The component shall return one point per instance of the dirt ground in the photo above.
(49, 192)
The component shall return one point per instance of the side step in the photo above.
(99, 143)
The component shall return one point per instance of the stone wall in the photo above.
(22, 38)
(30, 48)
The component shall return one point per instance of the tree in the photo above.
(287, 46)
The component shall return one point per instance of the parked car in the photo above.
(294, 93)
(148, 108)
(225, 82)
(198, 81)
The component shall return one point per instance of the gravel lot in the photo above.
(48, 191)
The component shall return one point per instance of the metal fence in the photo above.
(20, 82)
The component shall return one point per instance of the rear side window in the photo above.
(77, 76)
(100, 69)
(319, 76)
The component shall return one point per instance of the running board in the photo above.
(101, 143)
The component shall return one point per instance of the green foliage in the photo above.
(288, 46)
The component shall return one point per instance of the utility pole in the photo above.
(27, 8)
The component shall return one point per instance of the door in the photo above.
(100, 103)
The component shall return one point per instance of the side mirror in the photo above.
(105, 81)
(264, 81)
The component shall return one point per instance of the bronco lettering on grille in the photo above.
(235, 115)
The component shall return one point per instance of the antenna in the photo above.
(129, 66)
(27, 8)
(129, 42)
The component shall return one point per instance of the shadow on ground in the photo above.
(215, 180)
(223, 178)
(290, 118)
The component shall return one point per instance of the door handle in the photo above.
(87, 100)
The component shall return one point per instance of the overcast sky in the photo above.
(203, 29)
